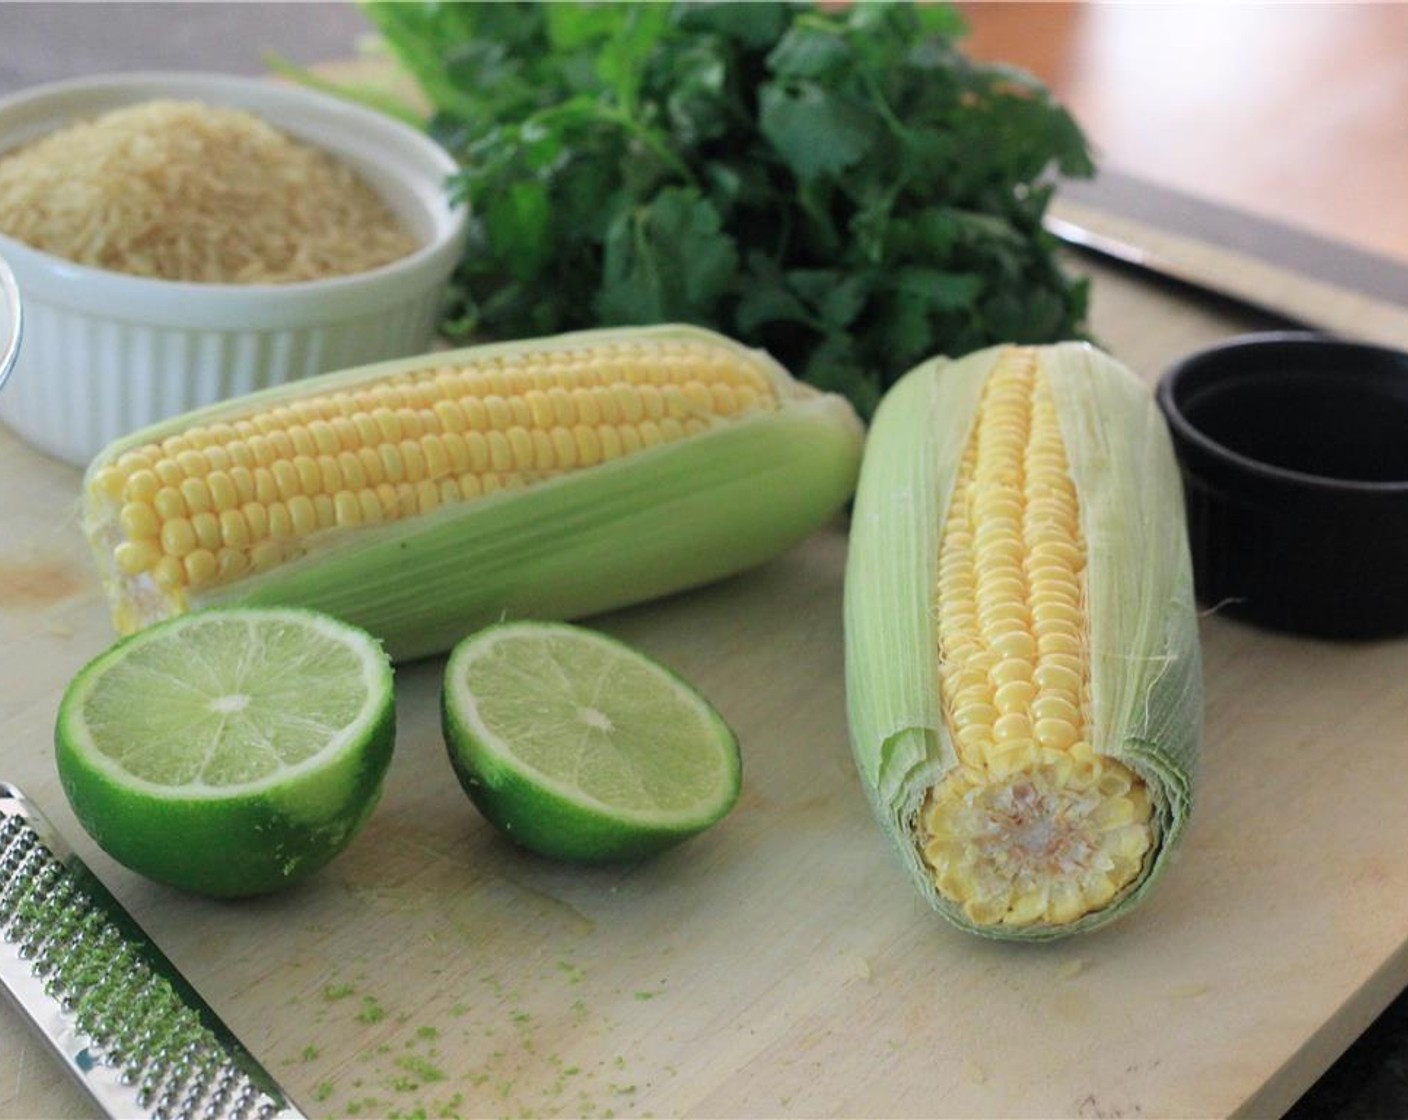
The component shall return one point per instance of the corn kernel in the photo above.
(135, 557)
(200, 567)
(138, 519)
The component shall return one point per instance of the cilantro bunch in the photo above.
(838, 185)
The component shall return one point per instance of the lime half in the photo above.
(581, 748)
(231, 751)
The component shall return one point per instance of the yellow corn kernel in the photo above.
(348, 508)
(200, 567)
(586, 403)
(544, 458)
(223, 493)
(206, 527)
(140, 486)
(610, 440)
(437, 459)
(234, 530)
(256, 518)
(371, 507)
(110, 481)
(303, 514)
(500, 454)
(325, 510)
(168, 573)
(520, 445)
(286, 481)
(138, 520)
(412, 459)
(564, 448)
(137, 556)
(169, 504)
(231, 563)
(192, 464)
(497, 411)
(280, 522)
(178, 539)
(427, 496)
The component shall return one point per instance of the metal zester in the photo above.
(117, 1012)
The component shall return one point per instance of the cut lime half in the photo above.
(230, 751)
(581, 748)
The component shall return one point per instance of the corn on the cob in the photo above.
(422, 498)
(1023, 667)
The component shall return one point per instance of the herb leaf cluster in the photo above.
(840, 186)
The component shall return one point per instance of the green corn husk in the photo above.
(1146, 686)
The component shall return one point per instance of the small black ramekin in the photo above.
(1294, 454)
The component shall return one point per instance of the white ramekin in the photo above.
(105, 353)
(11, 321)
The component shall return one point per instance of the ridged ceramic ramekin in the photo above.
(106, 353)
(11, 322)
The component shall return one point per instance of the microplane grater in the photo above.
(118, 1013)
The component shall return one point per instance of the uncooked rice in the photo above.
(180, 190)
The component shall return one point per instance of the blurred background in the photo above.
(1293, 112)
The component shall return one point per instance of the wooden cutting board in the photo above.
(779, 965)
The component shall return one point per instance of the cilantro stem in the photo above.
(650, 139)
(882, 106)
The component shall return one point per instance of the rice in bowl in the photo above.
(180, 190)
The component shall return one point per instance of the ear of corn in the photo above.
(421, 499)
(1023, 671)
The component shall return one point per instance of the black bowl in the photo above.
(1294, 454)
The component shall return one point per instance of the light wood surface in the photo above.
(779, 965)
(1291, 111)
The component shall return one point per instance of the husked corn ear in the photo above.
(422, 498)
(1023, 667)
